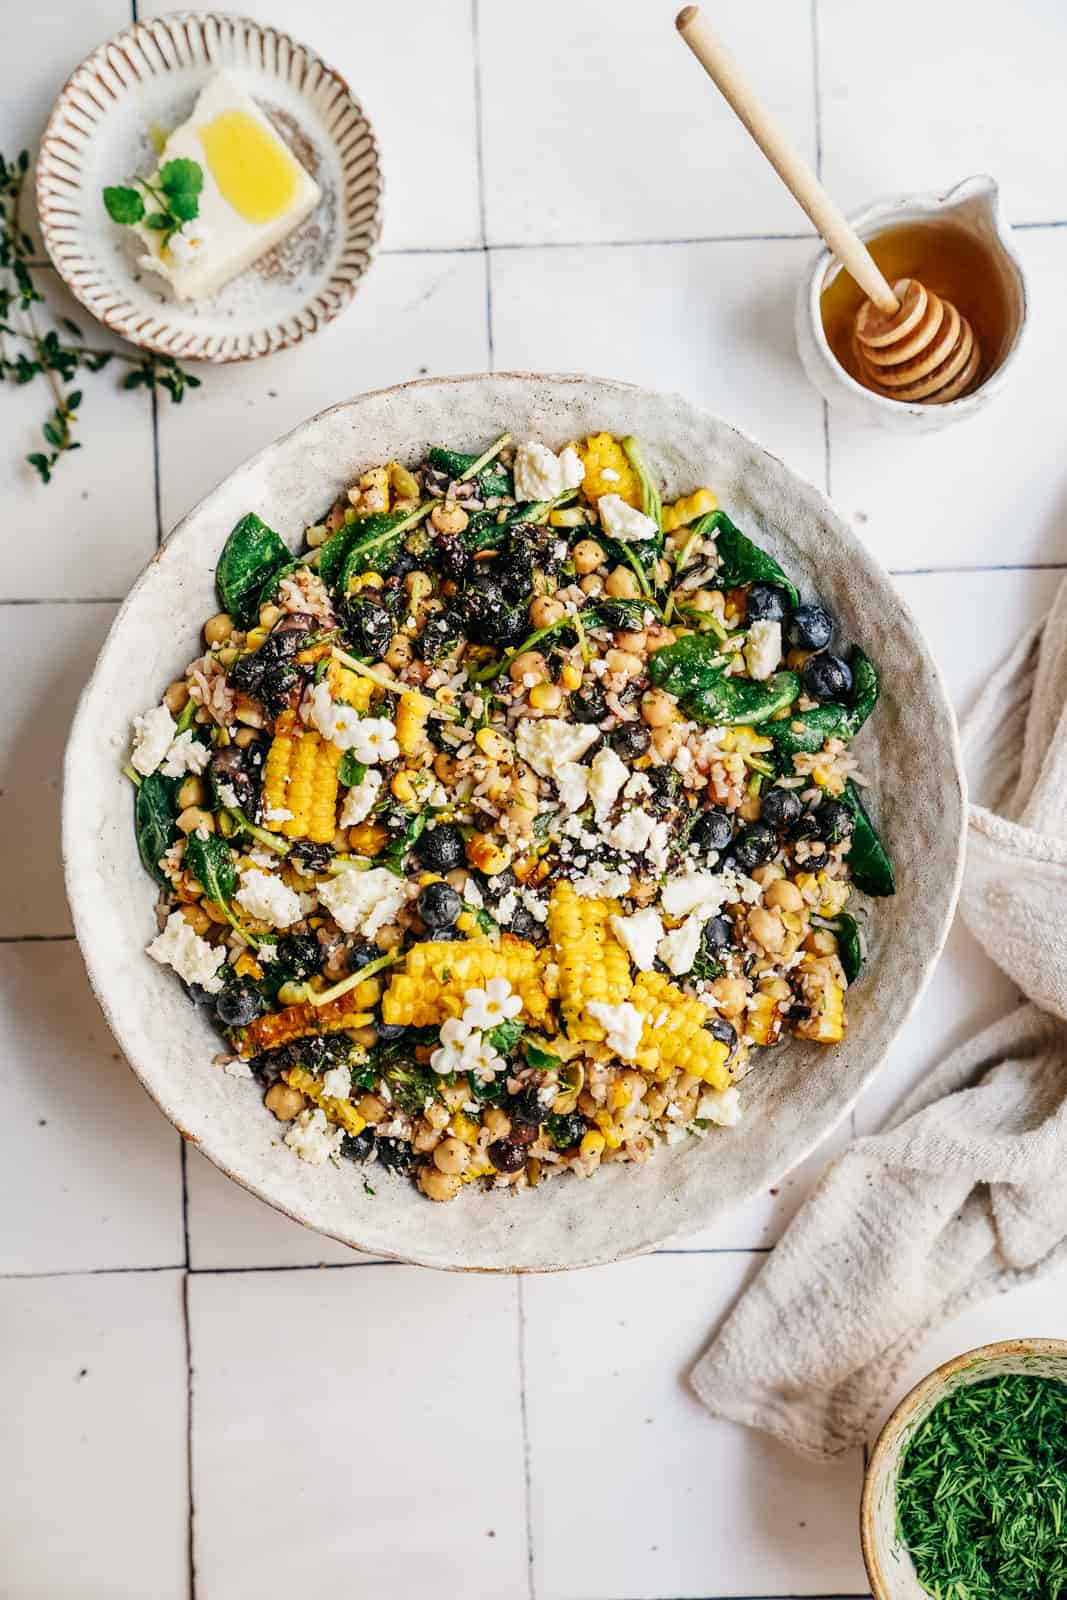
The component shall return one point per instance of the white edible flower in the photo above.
(363, 902)
(193, 959)
(189, 240)
(546, 745)
(456, 1032)
(542, 475)
(482, 1060)
(265, 897)
(375, 740)
(313, 1139)
(763, 649)
(678, 949)
(186, 754)
(639, 935)
(622, 1024)
(152, 736)
(720, 1105)
(337, 1083)
(370, 739)
(488, 1007)
(607, 775)
(448, 1058)
(361, 800)
(624, 522)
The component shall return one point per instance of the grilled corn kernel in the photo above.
(491, 744)
(592, 1143)
(571, 677)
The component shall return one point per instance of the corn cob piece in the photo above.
(341, 1112)
(763, 1022)
(674, 1036)
(300, 776)
(411, 722)
(435, 978)
(349, 687)
(592, 964)
(352, 1010)
(826, 997)
(600, 453)
(688, 509)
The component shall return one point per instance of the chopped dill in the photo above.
(982, 1492)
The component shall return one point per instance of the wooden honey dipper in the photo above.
(910, 344)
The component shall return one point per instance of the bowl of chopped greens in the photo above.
(503, 792)
(966, 1490)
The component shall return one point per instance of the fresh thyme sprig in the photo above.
(57, 354)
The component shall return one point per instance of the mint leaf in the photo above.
(184, 206)
(157, 220)
(124, 206)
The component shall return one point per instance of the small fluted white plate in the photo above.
(797, 1092)
(99, 134)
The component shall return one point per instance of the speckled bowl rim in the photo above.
(111, 309)
(683, 1222)
(902, 1415)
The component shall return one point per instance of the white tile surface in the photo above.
(87, 1164)
(46, 654)
(414, 77)
(990, 492)
(415, 315)
(599, 124)
(919, 126)
(375, 1412)
(713, 321)
(669, 1500)
(93, 1443)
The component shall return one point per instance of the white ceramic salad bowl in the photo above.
(796, 1094)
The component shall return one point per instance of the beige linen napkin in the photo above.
(964, 1193)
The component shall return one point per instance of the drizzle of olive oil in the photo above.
(945, 258)
(255, 173)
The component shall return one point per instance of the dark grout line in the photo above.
(479, 144)
(644, 244)
(1029, 227)
(59, 600)
(816, 84)
(531, 1585)
(157, 486)
(999, 566)
(37, 938)
(489, 340)
(310, 1266)
(87, 1272)
(190, 1535)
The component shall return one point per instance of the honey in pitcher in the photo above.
(947, 259)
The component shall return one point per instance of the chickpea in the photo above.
(531, 664)
(425, 1138)
(592, 586)
(245, 737)
(706, 600)
(545, 610)
(776, 988)
(821, 942)
(656, 1101)
(660, 637)
(437, 1185)
(667, 742)
(177, 697)
(367, 1036)
(766, 928)
(370, 1108)
(399, 652)
(455, 1095)
(269, 615)
(732, 995)
(748, 810)
(191, 793)
(767, 874)
(587, 556)
(437, 1116)
(623, 662)
(285, 1103)
(390, 936)
(457, 878)
(447, 517)
(783, 896)
(497, 1123)
(634, 643)
(446, 767)
(218, 628)
(195, 817)
(451, 1156)
(197, 918)
(657, 708)
(621, 584)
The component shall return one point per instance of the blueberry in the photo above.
(826, 677)
(589, 705)
(765, 602)
(444, 935)
(299, 955)
(722, 1030)
(314, 857)
(388, 1030)
(666, 787)
(779, 808)
(439, 905)
(712, 830)
(810, 627)
(566, 1130)
(523, 925)
(238, 1004)
(394, 1155)
(507, 1156)
(718, 934)
(834, 821)
(630, 740)
(441, 849)
(358, 1146)
(755, 845)
(361, 955)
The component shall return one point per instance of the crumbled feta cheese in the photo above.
(186, 754)
(678, 949)
(607, 776)
(152, 735)
(473, 895)
(572, 781)
(507, 906)
(623, 522)
(623, 1026)
(363, 902)
(763, 649)
(659, 846)
(264, 896)
(237, 1068)
(720, 1105)
(313, 1139)
(609, 475)
(706, 892)
(192, 958)
(602, 882)
(542, 475)
(337, 1083)
(536, 907)
(278, 814)
(228, 795)
(547, 744)
(361, 800)
(676, 1135)
(683, 760)
(632, 832)
(639, 785)
(639, 934)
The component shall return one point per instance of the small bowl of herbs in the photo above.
(965, 1496)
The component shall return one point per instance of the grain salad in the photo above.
(501, 827)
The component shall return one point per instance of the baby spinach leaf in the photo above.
(506, 1035)
(154, 814)
(868, 859)
(693, 670)
(849, 946)
(269, 591)
(741, 561)
(211, 863)
(543, 1060)
(351, 772)
(251, 555)
(688, 664)
(626, 616)
(492, 478)
(366, 544)
(395, 853)
(808, 731)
